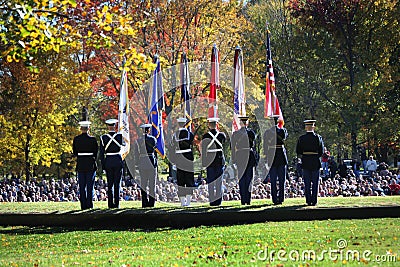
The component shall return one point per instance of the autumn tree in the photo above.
(193, 27)
(27, 27)
(104, 58)
(39, 124)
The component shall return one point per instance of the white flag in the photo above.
(123, 114)
(239, 101)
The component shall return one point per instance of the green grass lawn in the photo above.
(51, 207)
(372, 242)
(369, 242)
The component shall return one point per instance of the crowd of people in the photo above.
(380, 183)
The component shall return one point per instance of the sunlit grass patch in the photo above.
(242, 245)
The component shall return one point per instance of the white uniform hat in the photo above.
(181, 120)
(84, 123)
(309, 122)
(111, 121)
(146, 125)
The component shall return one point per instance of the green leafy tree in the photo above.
(363, 34)
(39, 125)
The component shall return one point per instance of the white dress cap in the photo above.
(84, 123)
(111, 121)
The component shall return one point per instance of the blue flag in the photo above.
(155, 117)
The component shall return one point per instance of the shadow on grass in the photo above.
(177, 209)
(43, 230)
(166, 218)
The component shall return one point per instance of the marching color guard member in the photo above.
(183, 159)
(111, 161)
(146, 161)
(310, 147)
(275, 154)
(85, 148)
(213, 159)
(244, 157)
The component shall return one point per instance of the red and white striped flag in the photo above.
(271, 100)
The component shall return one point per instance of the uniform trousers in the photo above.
(86, 182)
(114, 175)
(185, 180)
(148, 179)
(311, 181)
(277, 174)
(214, 183)
(245, 184)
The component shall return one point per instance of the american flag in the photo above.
(271, 100)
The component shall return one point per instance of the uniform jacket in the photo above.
(87, 144)
(310, 147)
(275, 146)
(144, 152)
(243, 147)
(110, 161)
(210, 154)
(183, 141)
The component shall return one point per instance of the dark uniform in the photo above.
(275, 153)
(213, 159)
(112, 163)
(243, 155)
(146, 161)
(310, 147)
(85, 148)
(183, 159)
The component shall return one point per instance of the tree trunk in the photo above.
(354, 154)
(27, 162)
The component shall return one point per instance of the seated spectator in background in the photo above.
(383, 169)
(367, 191)
(376, 188)
(394, 187)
